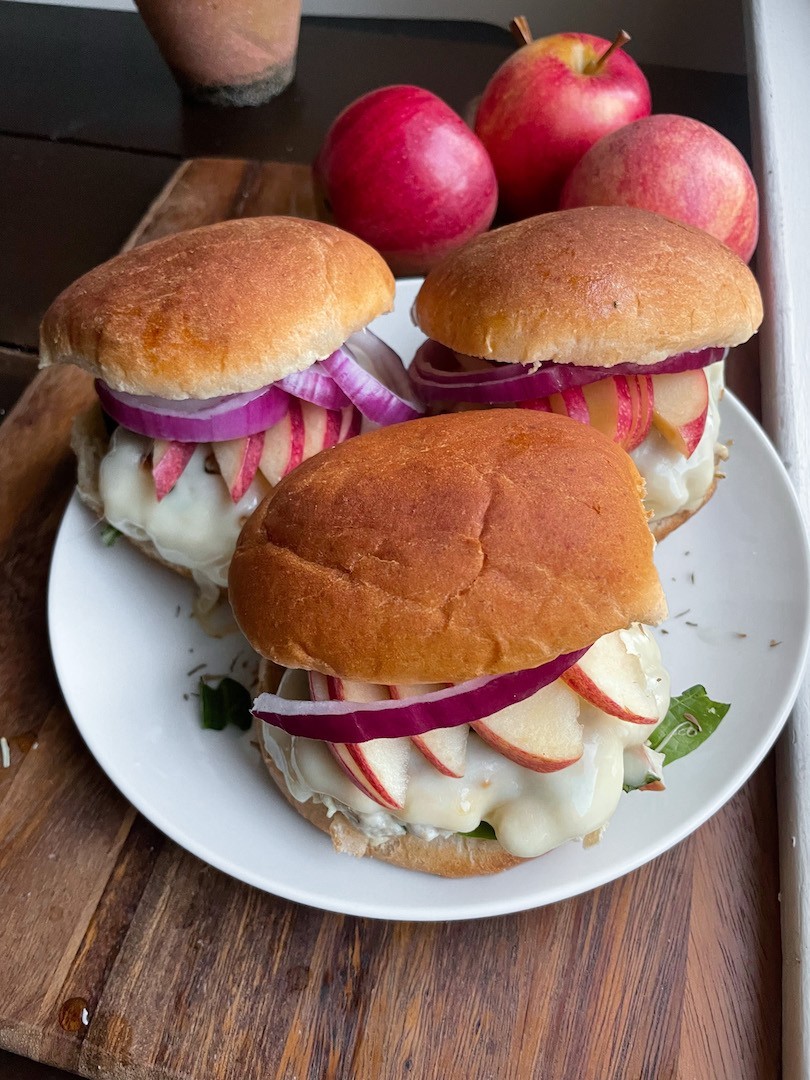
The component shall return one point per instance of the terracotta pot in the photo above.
(228, 52)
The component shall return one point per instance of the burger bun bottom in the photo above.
(453, 857)
(664, 526)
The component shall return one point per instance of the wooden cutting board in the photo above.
(125, 957)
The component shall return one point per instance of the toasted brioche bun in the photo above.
(221, 309)
(601, 285)
(89, 442)
(454, 856)
(447, 548)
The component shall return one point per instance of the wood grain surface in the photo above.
(126, 957)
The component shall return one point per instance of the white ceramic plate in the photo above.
(124, 646)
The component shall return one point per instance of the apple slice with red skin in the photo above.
(321, 428)
(350, 424)
(379, 767)
(680, 408)
(641, 396)
(620, 406)
(613, 680)
(538, 404)
(303, 432)
(284, 444)
(610, 407)
(332, 427)
(238, 461)
(541, 733)
(169, 460)
(444, 748)
(571, 403)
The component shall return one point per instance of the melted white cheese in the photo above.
(195, 526)
(674, 482)
(531, 812)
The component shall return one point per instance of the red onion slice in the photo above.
(437, 375)
(208, 420)
(365, 374)
(373, 378)
(353, 722)
(437, 364)
(316, 386)
(201, 408)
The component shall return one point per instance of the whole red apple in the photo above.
(678, 167)
(403, 172)
(543, 108)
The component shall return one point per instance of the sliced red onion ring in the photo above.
(315, 385)
(207, 420)
(437, 375)
(352, 721)
(365, 373)
(201, 408)
(373, 378)
(436, 363)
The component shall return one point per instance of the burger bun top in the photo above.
(597, 286)
(448, 548)
(222, 309)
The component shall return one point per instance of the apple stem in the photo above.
(595, 66)
(519, 28)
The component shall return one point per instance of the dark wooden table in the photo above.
(91, 127)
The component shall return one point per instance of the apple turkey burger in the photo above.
(223, 357)
(457, 605)
(616, 317)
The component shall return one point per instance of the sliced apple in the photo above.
(318, 686)
(538, 404)
(295, 416)
(571, 403)
(321, 428)
(353, 690)
(331, 432)
(444, 748)
(620, 406)
(238, 461)
(169, 460)
(351, 421)
(640, 388)
(276, 452)
(541, 733)
(610, 407)
(680, 408)
(284, 444)
(613, 679)
(379, 767)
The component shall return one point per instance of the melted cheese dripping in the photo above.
(531, 812)
(196, 526)
(674, 482)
